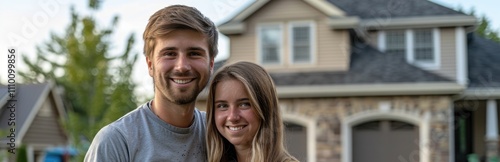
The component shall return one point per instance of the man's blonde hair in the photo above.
(177, 17)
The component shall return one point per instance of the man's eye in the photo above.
(169, 54)
(195, 54)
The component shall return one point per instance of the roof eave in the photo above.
(32, 114)
(369, 90)
(338, 23)
(232, 28)
(419, 22)
(480, 93)
(236, 26)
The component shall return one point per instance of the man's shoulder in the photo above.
(126, 122)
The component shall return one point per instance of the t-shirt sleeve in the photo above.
(109, 144)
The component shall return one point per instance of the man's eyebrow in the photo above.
(168, 48)
(196, 49)
(175, 48)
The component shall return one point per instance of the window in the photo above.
(301, 41)
(423, 51)
(270, 38)
(395, 41)
(298, 48)
(421, 46)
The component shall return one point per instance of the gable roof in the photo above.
(28, 101)
(390, 8)
(321, 5)
(378, 14)
(483, 62)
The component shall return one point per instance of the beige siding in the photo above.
(278, 10)
(243, 47)
(201, 104)
(448, 54)
(45, 128)
(332, 47)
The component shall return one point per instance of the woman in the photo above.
(244, 121)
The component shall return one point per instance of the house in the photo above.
(374, 80)
(37, 112)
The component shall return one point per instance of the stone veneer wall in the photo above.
(330, 112)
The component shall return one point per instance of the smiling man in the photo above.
(180, 45)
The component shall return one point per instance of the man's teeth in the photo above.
(235, 128)
(180, 81)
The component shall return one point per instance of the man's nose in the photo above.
(182, 64)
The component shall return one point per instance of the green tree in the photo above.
(97, 85)
(22, 154)
(484, 28)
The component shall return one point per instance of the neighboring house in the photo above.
(374, 80)
(39, 113)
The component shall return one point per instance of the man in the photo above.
(180, 45)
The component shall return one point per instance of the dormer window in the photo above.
(301, 41)
(270, 43)
(423, 51)
(421, 46)
(299, 47)
(395, 41)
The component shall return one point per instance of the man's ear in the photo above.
(150, 66)
(211, 66)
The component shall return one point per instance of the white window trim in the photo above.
(312, 42)
(409, 34)
(259, 43)
(381, 41)
(461, 48)
(437, 52)
(410, 55)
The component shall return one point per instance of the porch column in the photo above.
(491, 129)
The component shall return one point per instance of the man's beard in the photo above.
(177, 96)
(183, 99)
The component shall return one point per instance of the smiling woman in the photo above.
(244, 120)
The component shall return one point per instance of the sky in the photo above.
(24, 24)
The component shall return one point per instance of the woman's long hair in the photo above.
(267, 144)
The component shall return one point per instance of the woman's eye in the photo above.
(245, 105)
(221, 106)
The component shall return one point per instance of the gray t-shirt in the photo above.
(141, 136)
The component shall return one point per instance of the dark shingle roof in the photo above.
(27, 97)
(483, 62)
(368, 66)
(392, 8)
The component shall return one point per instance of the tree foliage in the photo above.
(22, 154)
(97, 85)
(484, 28)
